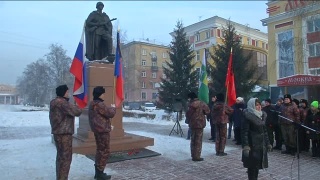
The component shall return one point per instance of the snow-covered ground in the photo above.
(34, 157)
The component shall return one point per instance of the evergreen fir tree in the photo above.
(180, 75)
(243, 68)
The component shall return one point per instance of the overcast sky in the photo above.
(28, 28)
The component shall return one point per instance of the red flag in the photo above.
(231, 88)
(118, 74)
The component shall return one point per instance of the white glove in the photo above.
(111, 127)
(113, 105)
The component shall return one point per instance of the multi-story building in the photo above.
(294, 48)
(143, 62)
(209, 32)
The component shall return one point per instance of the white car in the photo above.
(149, 107)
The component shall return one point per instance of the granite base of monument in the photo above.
(101, 74)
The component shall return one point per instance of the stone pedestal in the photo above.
(100, 74)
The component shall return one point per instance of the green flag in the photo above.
(203, 82)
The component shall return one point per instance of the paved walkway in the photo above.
(281, 167)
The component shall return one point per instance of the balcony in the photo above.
(153, 58)
(154, 68)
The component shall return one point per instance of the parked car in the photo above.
(148, 107)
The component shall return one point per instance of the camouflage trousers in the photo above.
(221, 137)
(196, 143)
(64, 155)
(103, 150)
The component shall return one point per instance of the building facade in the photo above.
(142, 64)
(294, 48)
(8, 95)
(209, 32)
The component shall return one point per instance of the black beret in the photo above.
(97, 91)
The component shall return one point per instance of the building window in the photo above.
(218, 33)
(164, 55)
(154, 95)
(154, 63)
(198, 55)
(143, 95)
(285, 54)
(249, 41)
(208, 34)
(154, 75)
(153, 54)
(143, 74)
(164, 76)
(143, 63)
(314, 50)
(257, 43)
(143, 84)
(313, 25)
(315, 71)
(263, 45)
(144, 52)
(197, 37)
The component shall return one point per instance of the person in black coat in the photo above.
(255, 141)
(237, 117)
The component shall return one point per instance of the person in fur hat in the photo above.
(62, 114)
(290, 111)
(100, 122)
(220, 114)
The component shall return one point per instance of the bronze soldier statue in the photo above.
(98, 31)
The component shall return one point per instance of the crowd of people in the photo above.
(259, 127)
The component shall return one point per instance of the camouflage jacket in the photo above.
(220, 113)
(62, 115)
(291, 112)
(196, 114)
(99, 116)
(303, 114)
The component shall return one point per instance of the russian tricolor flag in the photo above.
(78, 69)
(118, 74)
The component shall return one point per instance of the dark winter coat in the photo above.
(313, 121)
(237, 114)
(220, 113)
(196, 114)
(99, 116)
(272, 115)
(254, 135)
(62, 115)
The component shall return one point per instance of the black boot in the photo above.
(253, 173)
(100, 175)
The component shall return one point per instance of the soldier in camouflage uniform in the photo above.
(304, 142)
(290, 111)
(61, 116)
(197, 121)
(219, 114)
(100, 123)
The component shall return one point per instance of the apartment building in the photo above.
(142, 70)
(209, 32)
(294, 48)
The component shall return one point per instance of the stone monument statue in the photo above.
(98, 33)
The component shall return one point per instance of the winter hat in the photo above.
(61, 90)
(287, 96)
(97, 91)
(240, 99)
(268, 100)
(192, 95)
(220, 97)
(296, 101)
(304, 101)
(315, 104)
